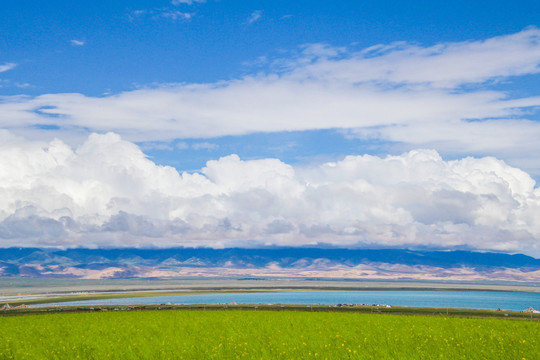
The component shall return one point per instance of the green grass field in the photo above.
(184, 334)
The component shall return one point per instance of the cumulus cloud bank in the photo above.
(439, 96)
(106, 192)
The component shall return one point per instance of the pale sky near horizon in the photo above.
(248, 123)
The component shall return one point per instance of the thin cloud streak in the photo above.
(176, 15)
(255, 16)
(7, 67)
(186, 2)
(445, 65)
(77, 42)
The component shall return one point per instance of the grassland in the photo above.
(244, 334)
(383, 310)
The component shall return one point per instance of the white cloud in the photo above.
(23, 85)
(408, 94)
(205, 146)
(446, 65)
(136, 14)
(255, 16)
(176, 15)
(106, 192)
(77, 42)
(182, 145)
(7, 67)
(157, 146)
(160, 13)
(187, 2)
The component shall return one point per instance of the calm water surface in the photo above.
(452, 299)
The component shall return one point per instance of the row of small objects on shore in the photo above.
(351, 305)
(8, 307)
(167, 306)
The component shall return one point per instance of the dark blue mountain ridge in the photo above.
(285, 257)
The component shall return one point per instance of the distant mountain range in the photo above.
(281, 262)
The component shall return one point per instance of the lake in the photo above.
(493, 300)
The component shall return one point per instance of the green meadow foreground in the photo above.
(184, 334)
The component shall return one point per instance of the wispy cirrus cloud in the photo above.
(23, 85)
(440, 97)
(445, 65)
(168, 12)
(175, 15)
(205, 146)
(186, 2)
(255, 16)
(7, 66)
(171, 14)
(77, 42)
(182, 145)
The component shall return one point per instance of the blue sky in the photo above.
(301, 94)
(123, 50)
(104, 48)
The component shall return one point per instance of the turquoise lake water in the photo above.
(440, 299)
